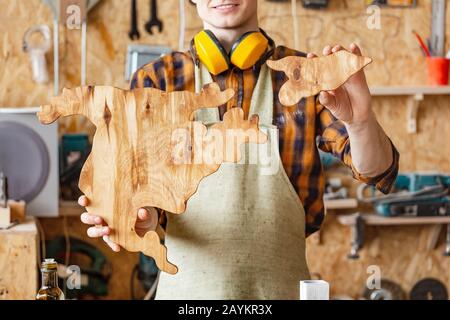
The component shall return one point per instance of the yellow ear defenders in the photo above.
(245, 53)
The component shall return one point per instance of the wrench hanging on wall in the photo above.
(154, 20)
(134, 33)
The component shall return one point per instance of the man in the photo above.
(242, 236)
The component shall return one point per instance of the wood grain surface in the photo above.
(147, 152)
(307, 77)
(18, 258)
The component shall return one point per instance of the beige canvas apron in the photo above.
(243, 233)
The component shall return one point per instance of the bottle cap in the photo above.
(49, 264)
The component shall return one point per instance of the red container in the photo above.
(438, 71)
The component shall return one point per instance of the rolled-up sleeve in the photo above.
(334, 139)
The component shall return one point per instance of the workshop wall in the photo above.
(397, 61)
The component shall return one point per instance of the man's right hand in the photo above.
(147, 220)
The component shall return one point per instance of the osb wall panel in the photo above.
(397, 61)
(429, 150)
(18, 261)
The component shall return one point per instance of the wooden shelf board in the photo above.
(28, 226)
(375, 220)
(409, 90)
(349, 203)
(21, 110)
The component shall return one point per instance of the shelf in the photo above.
(409, 90)
(357, 222)
(20, 110)
(337, 204)
(415, 95)
(376, 220)
(27, 226)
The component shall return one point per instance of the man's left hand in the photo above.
(351, 102)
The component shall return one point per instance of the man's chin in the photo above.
(226, 24)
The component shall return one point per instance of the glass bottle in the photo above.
(49, 289)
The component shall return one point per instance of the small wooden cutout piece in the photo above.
(307, 77)
(147, 152)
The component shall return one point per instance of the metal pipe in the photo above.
(182, 32)
(56, 56)
(83, 52)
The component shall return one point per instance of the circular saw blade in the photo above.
(24, 159)
(388, 290)
(429, 289)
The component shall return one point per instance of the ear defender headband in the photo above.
(245, 53)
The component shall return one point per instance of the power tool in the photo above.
(95, 270)
(414, 194)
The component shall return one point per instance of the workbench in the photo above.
(18, 261)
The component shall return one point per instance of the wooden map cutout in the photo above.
(145, 153)
(309, 76)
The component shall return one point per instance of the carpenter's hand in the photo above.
(147, 219)
(351, 102)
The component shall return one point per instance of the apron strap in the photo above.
(203, 77)
(261, 103)
(262, 98)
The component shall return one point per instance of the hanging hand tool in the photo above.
(134, 33)
(37, 51)
(437, 40)
(3, 190)
(5, 210)
(154, 21)
(315, 4)
(357, 237)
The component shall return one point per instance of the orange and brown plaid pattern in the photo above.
(303, 128)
